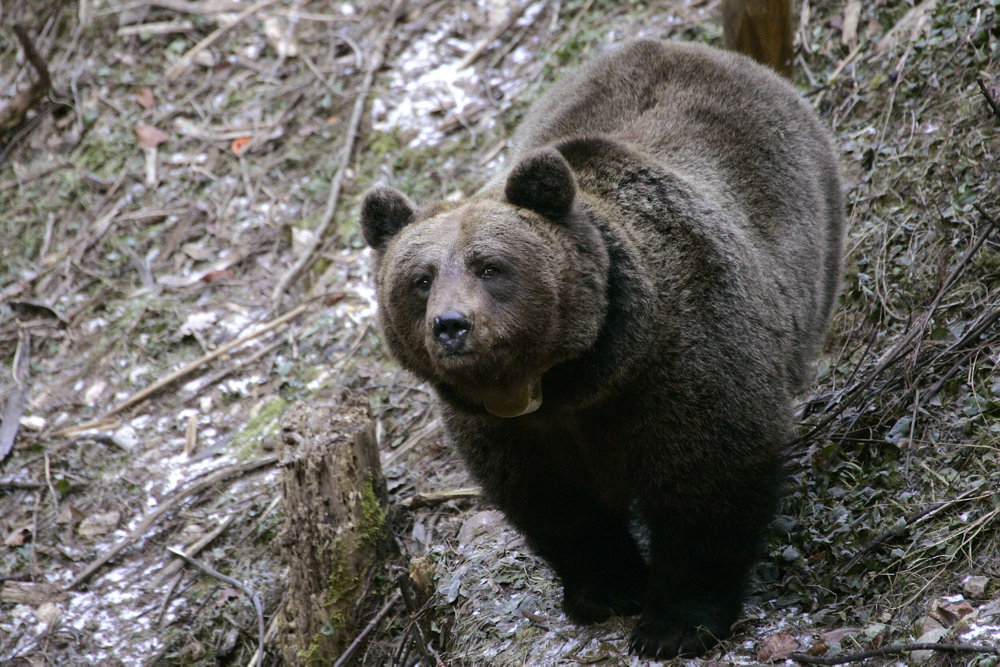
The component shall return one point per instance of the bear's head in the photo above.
(482, 297)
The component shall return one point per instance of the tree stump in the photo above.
(335, 509)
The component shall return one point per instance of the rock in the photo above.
(94, 392)
(32, 422)
(126, 438)
(975, 586)
(949, 612)
(926, 624)
(929, 637)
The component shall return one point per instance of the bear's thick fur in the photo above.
(617, 324)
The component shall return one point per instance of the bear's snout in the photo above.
(451, 330)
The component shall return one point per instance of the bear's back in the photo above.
(741, 132)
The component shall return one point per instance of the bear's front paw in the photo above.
(664, 637)
(586, 605)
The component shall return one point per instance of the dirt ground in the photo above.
(180, 262)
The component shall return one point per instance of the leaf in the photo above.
(69, 514)
(221, 274)
(225, 595)
(18, 537)
(849, 30)
(148, 136)
(240, 144)
(145, 98)
(837, 635)
(949, 613)
(778, 646)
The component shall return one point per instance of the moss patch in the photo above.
(264, 425)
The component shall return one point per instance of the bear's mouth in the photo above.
(502, 382)
(454, 358)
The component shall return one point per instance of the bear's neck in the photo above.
(591, 376)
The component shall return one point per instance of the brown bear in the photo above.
(616, 325)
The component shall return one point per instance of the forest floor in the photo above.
(180, 262)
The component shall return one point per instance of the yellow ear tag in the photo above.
(523, 402)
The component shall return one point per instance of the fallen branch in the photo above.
(19, 484)
(892, 650)
(308, 254)
(143, 394)
(179, 6)
(155, 28)
(250, 593)
(209, 481)
(434, 498)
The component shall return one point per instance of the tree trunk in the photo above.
(762, 29)
(335, 506)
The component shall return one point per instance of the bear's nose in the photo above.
(451, 329)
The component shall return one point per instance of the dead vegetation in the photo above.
(179, 263)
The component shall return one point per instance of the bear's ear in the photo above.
(384, 212)
(542, 182)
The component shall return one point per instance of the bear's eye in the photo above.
(422, 283)
(489, 272)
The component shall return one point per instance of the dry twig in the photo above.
(163, 508)
(143, 394)
(180, 6)
(20, 484)
(896, 649)
(250, 593)
(907, 345)
(192, 550)
(272, 631)
(512, 17)
(345, 656)
(233, 366)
